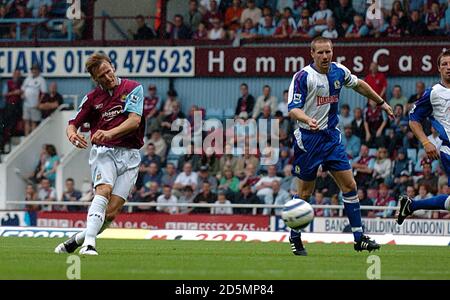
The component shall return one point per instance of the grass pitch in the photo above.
(33, 258)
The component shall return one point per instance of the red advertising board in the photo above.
(161, 221)
(396, 60)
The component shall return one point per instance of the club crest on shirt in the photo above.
(297, 169)
(99, 176)
(337, 84)
(123, 98)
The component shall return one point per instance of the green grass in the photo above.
(33, 258)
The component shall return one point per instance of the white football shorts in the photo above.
(117, 167)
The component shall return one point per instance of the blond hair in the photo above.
(95, 60)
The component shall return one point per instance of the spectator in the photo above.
(51, 101)
(167, 121)
(283, 160)
(217, 32)
(358, 29)
(46, 193)
(267, 29)
(303, 29)
(401, 163)
(72, 195)
(319, 199)
(35, 5)
(399, 118)
(177, 30)
(363, 167)
(394, 29)
(434, 138)
(364, 200)
(251, 12)
(148, 158)
(191, 157)
(227, 160)
(264, 185)
(48, 169)
(193, 17)
(159, 144)
(399, 11)
(204, 176)
(351, 142)
(205, 5)
(246, 196)
(4, 28)
(143, 32)
(205, 196)
(166, 109)
(284, 30)
(148, 193)
(283, 105)
(246, 102)
(433, 20)
(186, 197)
(170, 175)
(152, 174)
(277, 197)
(13, 105)
(249, 177)
(331, 31)
(384, 199)
(420, 89)
(167, 198)
(201, 33)
(445, 21)
(229, 182)
(31, 195)
(343, 13)
(152, 105)
(397, 97)
(423, 194)
(320, 17)
(222, 200)
(244, 128)
(416, 26)
(43, 29)
(358, 124)
(382, 166)
(265, 99)
(428, 178)
(375, 121)
(248, 30)
(34, 88)
(287, 182)
(186, 178)
(233, 16)
(345, 118)
(245, 160)
(211, 14)
(377, 80)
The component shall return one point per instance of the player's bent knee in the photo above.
(105, 190)
(349, 187)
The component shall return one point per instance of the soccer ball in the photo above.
(297, 213)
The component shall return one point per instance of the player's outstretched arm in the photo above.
(129, 125)
(364, 89)
(430, 149)
(299, 115)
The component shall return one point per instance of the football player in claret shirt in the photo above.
(114, 111)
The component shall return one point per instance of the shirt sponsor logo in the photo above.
(112, 113)
(327, 100)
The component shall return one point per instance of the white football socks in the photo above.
(79, 238)
(95, 219)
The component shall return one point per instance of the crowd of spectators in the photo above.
(253, 19)
(24, 103)
(387, 159)
(50, 15)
